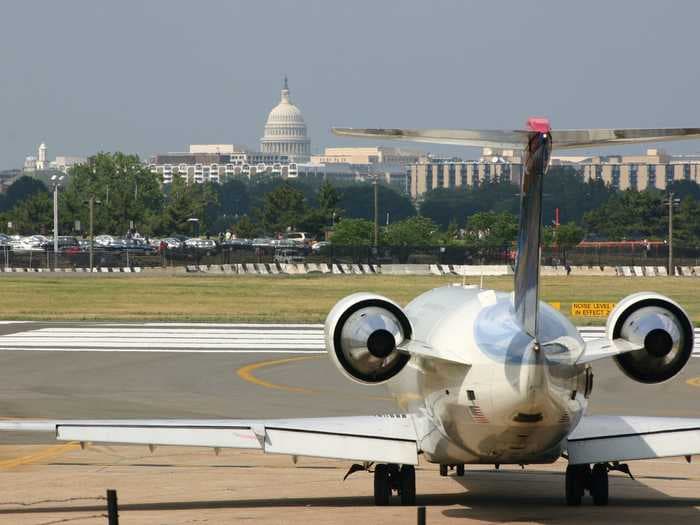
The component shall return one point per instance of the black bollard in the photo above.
(421, 515)
(112, 507)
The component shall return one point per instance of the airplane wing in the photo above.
(517, 139)
(601, 439)
(388, 439)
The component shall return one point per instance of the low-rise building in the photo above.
(215, 162)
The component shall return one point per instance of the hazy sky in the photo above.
(153, 76)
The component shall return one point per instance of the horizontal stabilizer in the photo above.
(602, 439)
(389, 439)
(603, 347)
(416, 348)
(517, 139)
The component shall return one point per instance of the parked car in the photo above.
(318, 246)
(137, 245)
(299, 237)
(105, 240)
(66, 244)
(288, 256)
(202, 246)
(32, 243)
(262, 242)
(173, 243)
(237, 243)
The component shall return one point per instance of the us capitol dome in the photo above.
(285, 130)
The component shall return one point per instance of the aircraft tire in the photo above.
(460, 470)
(382, 489)
(575, 484)
(599, 484)
(407, 485)
(443, 470)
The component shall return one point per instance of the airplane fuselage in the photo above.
(518, 399)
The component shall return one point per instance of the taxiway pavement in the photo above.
(246, 371)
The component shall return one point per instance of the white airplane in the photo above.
(479, 376)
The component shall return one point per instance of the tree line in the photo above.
(127, 194)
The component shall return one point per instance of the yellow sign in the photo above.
(591, 309)
(555, 304)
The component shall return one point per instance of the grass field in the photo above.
(277, 299)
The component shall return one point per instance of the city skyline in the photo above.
(206, 73)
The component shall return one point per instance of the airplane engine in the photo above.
(659, 325)
(362, 332)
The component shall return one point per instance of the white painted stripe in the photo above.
(62, 332)
(167, 350)
(248, 343)
(234, 325)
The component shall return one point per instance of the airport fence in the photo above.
(382, 255)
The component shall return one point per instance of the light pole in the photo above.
(56, 183)
(92, 201)
(671, 203)
(376, 211)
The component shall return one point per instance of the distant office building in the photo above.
(215, 162)
(655, 170)
(431, 173)
(365, 163)
(367, 155)
(285, 130)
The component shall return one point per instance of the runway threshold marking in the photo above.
(246, 373)
(46, 453)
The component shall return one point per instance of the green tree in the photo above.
(283, 208)
(32, 215)
(184, 202)
(126, 189)
(357, 201)
(491, 229)
(629, 215)
(414, 231)
(19, 190)
(353, 232)
(245, 228)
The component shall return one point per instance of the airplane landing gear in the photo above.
(580, 478)
(390, 478)
(459, 469)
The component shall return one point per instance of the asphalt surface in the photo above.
(71, 370)
(256, 371)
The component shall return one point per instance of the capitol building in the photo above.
(285, 130)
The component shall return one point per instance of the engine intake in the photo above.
(659, 325)
(362, 332)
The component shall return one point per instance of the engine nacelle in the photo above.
(362, 332)
(658, 324)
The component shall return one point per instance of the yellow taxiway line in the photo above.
(46, 453)
(693, 381)
(246, 373)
